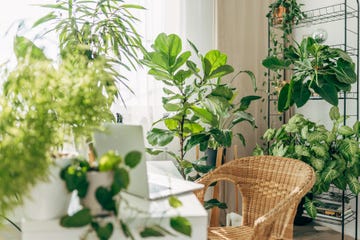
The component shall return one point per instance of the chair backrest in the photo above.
(264, 182)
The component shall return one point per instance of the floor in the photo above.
(309, 232)
(313, 231)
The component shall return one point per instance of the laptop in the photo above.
(122, 139)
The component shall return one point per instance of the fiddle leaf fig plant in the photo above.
(194, 98)
(334, 154)
(316, 69)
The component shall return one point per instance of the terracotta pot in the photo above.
(278, 15)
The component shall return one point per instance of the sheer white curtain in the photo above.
(193, 20)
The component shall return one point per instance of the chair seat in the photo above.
(224, 233)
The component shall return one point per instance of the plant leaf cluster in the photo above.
(334, 154)
(41, 103)
(292, 15)
(95, 29)
(200, 108)
(316, 69)
(75, 177)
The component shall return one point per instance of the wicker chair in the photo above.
(271, 188)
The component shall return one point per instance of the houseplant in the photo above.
(98, 187)
(316, 69)
(285, 13)
(42, 103)
(101, 29)
(187, 90)
(334, 154)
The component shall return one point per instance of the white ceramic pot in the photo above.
(50, 199)
(96, 179)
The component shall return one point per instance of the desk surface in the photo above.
(151, 212)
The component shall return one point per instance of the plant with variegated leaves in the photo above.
(334, 154)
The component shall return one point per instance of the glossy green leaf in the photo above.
(246, 101)
(223, 91)
(174, 202)
(345, 71)
(159, 137)
(105, 198)
(180, 61)
(121, 180)
(195, 140)
(334, 113)
(214, 203)
(132, 159)
(284, 98)
(221, 71)
(79, 219)
(151, 232)
(202, 168)
(181, 225)
(103, 232)
(353, 183)
(301, 94)
(310, 207)
(327, 92)
(205, 115)
(275, 63)
(214, 59)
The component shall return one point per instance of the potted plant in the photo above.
(97, 29)
(98, 186)
(37, 114)
(334, 154)
(285, 13)
(187, 91)
(316, 69)
(45, 102)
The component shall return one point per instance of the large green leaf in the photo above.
(103, 232)
(79, 219)
(214, 203)
(180, 61)
(195, 140)
(328, 92)
(132, 159)
(301, 94)
(345, 71)
(310, 207)
(275, 63)
(159, 137)
(168, 45)
(353, 183)
(181, 225)
(121, 180)
(243, 116)
(246, 101)
(284, 101)
(223, 91)
(222, 137)
(205, 116)
(221, 71)
(174, 202)
(213, 60)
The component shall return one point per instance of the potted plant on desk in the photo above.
(98, 186)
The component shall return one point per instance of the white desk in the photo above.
(153, 213)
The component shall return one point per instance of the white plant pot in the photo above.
(96, 179)
(50, 199)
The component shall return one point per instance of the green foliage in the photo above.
(334, 154)
(292, 15)
(41, 103)
(97, 29)
(75, 178)
(214, 203)
(202, 110)
(316, 69)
